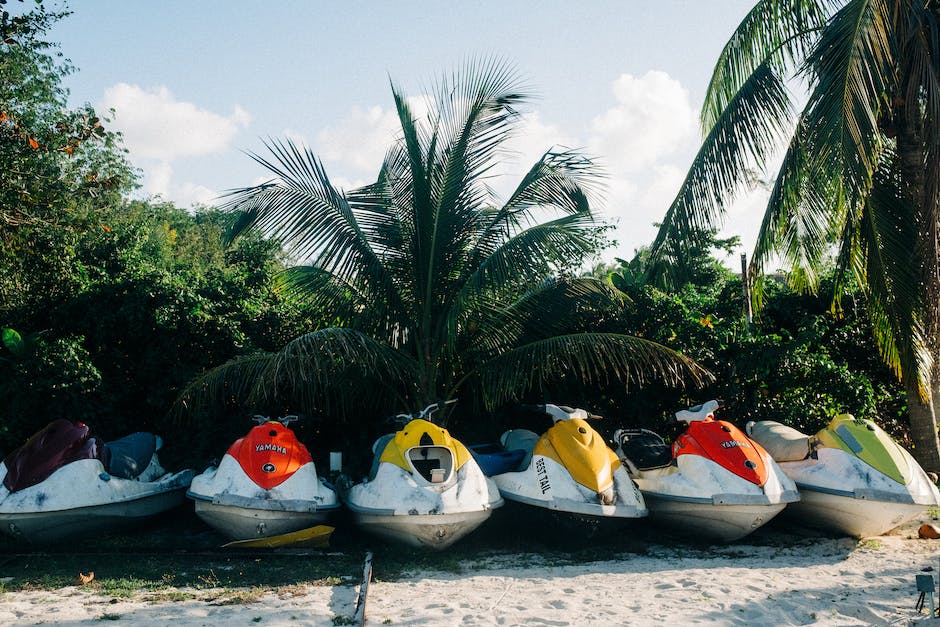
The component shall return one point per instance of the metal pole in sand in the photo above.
(360, 617)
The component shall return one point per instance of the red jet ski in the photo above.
(713, 480)
(266, 485)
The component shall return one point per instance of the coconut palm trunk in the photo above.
(923, 393)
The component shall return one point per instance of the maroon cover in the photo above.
(59, 443)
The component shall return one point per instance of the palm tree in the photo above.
(861, 172)
(432, 286)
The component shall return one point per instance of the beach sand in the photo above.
(800, 580)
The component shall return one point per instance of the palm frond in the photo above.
(775, 32)
(230, 384)
(746, 132)
(849, 70)
(557, 306)
(596, 359)
(330, 370)
(802, 212)
(891, 276)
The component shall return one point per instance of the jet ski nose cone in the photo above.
(426, 440)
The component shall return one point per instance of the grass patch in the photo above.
(239, 596)
(170, 596)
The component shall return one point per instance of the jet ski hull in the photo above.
(435, 531)
(704, 519)
(846, 514)
(853, 477)
(552, 522)
(570, 505)
(246, 523)
(714, 481)
(230, 502)
(840, 492)
(56, 526)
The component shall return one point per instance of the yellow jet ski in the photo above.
(570, 471)
(425, 489)
(852, 477)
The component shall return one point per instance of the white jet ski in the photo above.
(266, 485)
(424, 489)
(714, 482)
(570, 472)
(853, 478)
(63, 484)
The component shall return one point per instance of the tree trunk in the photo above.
(919, 163)
(923, 419)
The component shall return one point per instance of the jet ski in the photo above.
(714, 481)
(853, 478)
(424, 488)
(569, 471)
(266, 485)
(63, 483)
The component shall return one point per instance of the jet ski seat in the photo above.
(377, 449)
(59, 443)
(698, 413)
(130, 455)
(644, 448)
(785, 444)
(523, 440)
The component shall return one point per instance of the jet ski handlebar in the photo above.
(563, 412)
(698, 412)
(425, 413)
(284, 420)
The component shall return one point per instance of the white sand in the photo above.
(824, 582)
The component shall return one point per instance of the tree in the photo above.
(434, 287)
(861, 171)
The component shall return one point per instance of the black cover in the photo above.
(645, 449)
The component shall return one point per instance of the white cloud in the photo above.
(158, 129)
(158, 126)
(645, 140)
(651, 119)
(189, 194)
(358, 142)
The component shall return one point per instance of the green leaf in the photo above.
(13, 341)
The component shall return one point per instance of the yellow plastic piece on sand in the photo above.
(313, 537)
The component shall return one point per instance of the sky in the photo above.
(196, 86)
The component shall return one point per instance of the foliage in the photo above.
(799, 363)
(145, 305)
(108, 306)
(49, 152)
(437, 288)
